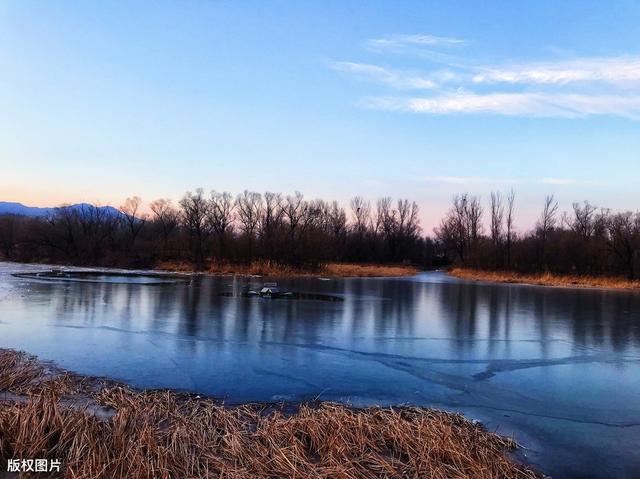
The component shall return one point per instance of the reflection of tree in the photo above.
(190, 309)
(591, 319)
(376, 308)
(542, 306)
(459, 305)
(495, 302)
(165, 305)
(89, 303)
(374, 313)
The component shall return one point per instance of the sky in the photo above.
(414, 99)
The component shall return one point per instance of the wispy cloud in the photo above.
(517, 104)
(616, 70)
(399, 80)
(558, 181)
(372, 182)
(570, 88)
(467, 180)
(488, 180)
(394, 42)
(569, 182)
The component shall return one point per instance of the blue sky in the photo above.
(425, 99)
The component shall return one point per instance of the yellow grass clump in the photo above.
(547, 279)
(163, 434)
(369, 270)
(271, 268)
(24, 374)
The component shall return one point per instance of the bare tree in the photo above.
(337, 220)
(249, 209)
(583, 221)
(195, 214)
(624, 240)
(546, 224)
(271, 221)
(97, 224)
(548, 217)
(461, 228)
(497, 218)
(132, 217)
(249, 206)
(221, 208)
(474, 219)
(510, 224)
(62, 233)
(361, 212)
(453, 232)
(314, 215)
(293, 211)
(497, 225)
(408, 223)
(385, 217)
(8, 233)
(361, 223)
(166, 216)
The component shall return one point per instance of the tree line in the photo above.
(292, 230)
(585, 241)
(221, 227)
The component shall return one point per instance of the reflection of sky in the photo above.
(505, 354)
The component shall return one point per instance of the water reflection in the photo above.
(559, 368)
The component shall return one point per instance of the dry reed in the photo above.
(547, 279)
(271, 268)
(163, 434)
(369, 270)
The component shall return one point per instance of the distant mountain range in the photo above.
(12, 208)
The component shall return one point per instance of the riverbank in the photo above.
(268, 268)
(547, 279)
(99, 428)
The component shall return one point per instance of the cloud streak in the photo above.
(517, 104)
(569, 182)
(620, 72)
(575, 88)
(467, 180)
(396, 42)
(398, 80)
(488, 180)
(615, 70)
(558, 181)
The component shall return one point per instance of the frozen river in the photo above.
(558, 368)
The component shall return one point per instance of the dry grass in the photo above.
(261, 267)
(175, 266)
(368, 270)
(161, 434)
(547, 279)
(270, 268)
(25, 375)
